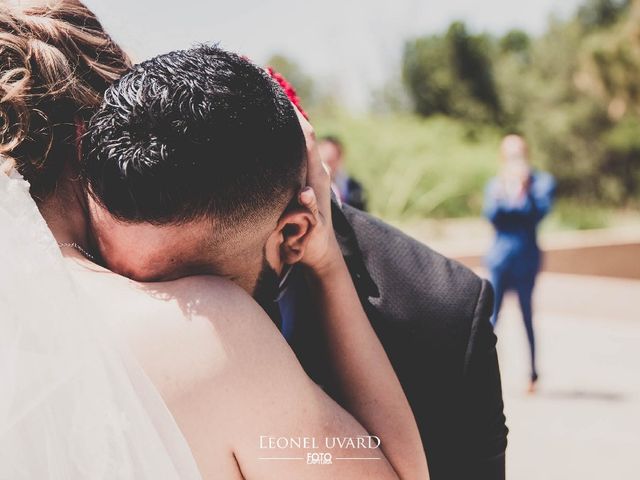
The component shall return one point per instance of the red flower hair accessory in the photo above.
(288, 89)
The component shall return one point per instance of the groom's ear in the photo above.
(292, 234)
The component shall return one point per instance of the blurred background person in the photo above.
(347, 188)
(516, 200)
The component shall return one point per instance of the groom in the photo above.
(194, 164)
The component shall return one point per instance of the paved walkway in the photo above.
(584, 421)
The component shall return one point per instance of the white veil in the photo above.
(73, 404)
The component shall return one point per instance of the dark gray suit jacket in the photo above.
(432, 316)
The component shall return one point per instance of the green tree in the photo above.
(452, 74)
(473, 66)
(578, 103)
(595, 14)
(515, 42)
(428, 75)
(610, 66)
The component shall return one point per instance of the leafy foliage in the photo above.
(601, 13)
(417, 167)
(452, 75)
(573, 92)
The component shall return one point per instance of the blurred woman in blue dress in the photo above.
(516, 200)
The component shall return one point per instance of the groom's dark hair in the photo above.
(194, 134)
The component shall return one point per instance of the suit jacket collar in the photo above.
(353, 256)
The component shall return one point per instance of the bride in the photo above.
(104, 377)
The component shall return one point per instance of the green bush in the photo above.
(568, 214)
(415, 167)
(572, 92)
(452, 74)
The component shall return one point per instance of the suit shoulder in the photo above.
(415, 281)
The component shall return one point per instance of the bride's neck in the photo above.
(65, 209)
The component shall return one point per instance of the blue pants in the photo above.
(503, 281)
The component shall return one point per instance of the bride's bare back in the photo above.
(227, 376)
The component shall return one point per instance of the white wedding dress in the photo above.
(73, 404)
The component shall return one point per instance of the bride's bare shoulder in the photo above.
(173, 302)
(214, 297)
(204, 344)
(185, 332)
(190, 333)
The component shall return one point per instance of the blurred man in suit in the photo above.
(346, 188)
(516, 200)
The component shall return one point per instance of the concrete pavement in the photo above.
(584, 421)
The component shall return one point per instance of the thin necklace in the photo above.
(77, 247)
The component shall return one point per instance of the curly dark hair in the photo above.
(198, 133)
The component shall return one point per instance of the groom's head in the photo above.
(193, 164)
